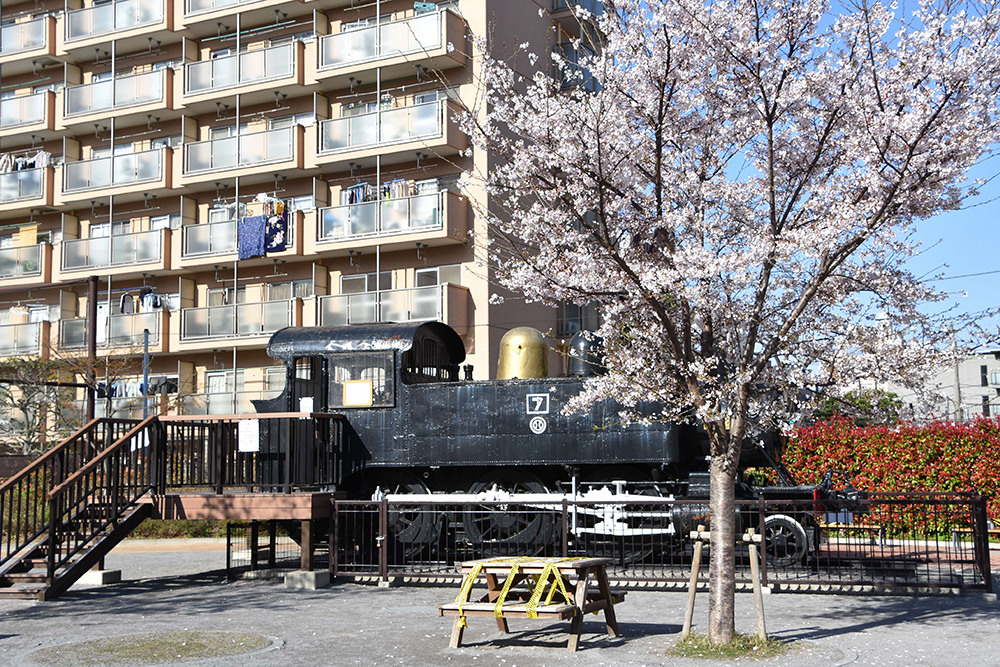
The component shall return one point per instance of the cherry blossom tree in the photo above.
(735, 185)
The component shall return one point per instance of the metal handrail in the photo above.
(114, 93)
(118, 170)
(18, 348)
(236, 320)
(23, 36)
(26, 105)
(239, 69)
(383, 127)
(118, 250)
(243, 150)
(117, 16)
(381, 217)
(386, 40)
(24, 184)
(18, 259)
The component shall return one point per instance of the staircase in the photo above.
(62, 514)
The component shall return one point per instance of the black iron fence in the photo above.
(259, 549)
(914, 541)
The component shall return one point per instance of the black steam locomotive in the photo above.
(414, 427)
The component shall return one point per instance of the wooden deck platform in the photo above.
(242, 506)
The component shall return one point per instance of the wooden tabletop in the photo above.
(530, 564)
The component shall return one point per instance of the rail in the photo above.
(18, 185)
(23, 36)
(118, 93)
(116, 250)
(113, 171)
(22, 110)
(112, 17)
(402, 215)
(244, 150)
(257, 66)
(24, 509)
(21, 261)
(236, 321)
(387, 40)
(95, 496)
(18, 339)
(383, 127)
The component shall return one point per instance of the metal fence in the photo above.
(260, 549)
(903, 541)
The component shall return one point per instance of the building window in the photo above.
(290, 289)
(301, 203)
(574, 318)
(986, 406)
(223, 296)
(983, 376)
(172, 221)
(221, 382)
(439, 275)
(365, 282)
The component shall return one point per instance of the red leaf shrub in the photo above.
(940, 457)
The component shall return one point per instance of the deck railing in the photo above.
(112, 17)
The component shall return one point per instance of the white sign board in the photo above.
(249, 435)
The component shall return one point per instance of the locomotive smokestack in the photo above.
(523, 354)
(586, 355)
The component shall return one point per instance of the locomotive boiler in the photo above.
(413, 426)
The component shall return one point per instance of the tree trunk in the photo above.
(722, 566)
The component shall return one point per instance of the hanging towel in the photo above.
(276, 234)
(251, 235)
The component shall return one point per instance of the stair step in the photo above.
(34, 576)
(26, 592)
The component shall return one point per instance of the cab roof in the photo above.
(313, 341)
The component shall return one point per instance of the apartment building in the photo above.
(152, 143)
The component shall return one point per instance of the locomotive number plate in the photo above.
(537, 404)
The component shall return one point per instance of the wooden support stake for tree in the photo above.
(699, 536)
(752, 540)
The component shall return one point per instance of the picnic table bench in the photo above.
(567, 578)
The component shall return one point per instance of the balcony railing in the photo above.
(21, 262)
(387, 40)
(381, 218)
(22, 36)
(240, 151)
(235, 321)
(112, 17)
(380, 128)
(228, 403)
(107, 251)
(17, 339)
(24, 110)
(595, 7)
(17, 185)
(230, 71)
(400, 305)
(118, 93)
(216, 238)
(204, 6)
(114, 171)
(122, 331)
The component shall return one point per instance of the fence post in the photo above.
(382, 539)
(565, 528)
(217, 449)
(982, 541)
(333, 537)
(761, 505)
(50, 565)
(290, 433)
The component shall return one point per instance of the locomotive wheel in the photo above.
(787, 544)
(499, 532)
(411, 528)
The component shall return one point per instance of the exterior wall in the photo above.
(97, 116)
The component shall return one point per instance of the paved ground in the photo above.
(169, 589)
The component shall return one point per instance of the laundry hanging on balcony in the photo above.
(250, 232)
(21, 160)
(276, 233)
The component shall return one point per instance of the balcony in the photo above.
(23, 262)
(124, 96)
(397, 46)
(395, 224)
(20, 190)
(428, 126)
(24, 42)
(27, 114)
(253, 73)
(595, 7)
(227, 403)
(120, 18)
(148, 168)
(247, 154)
(242, 320)
(21, 339)
(207, 243)
(123, 331)
(117, 251)
(446, 303)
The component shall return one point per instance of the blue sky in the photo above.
(962, 243)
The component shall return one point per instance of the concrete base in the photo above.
(391, 582)
(101, 577)
(308, 580)
(990, 597)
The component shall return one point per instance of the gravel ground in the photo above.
(166, 589)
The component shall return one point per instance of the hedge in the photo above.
(940, 457)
